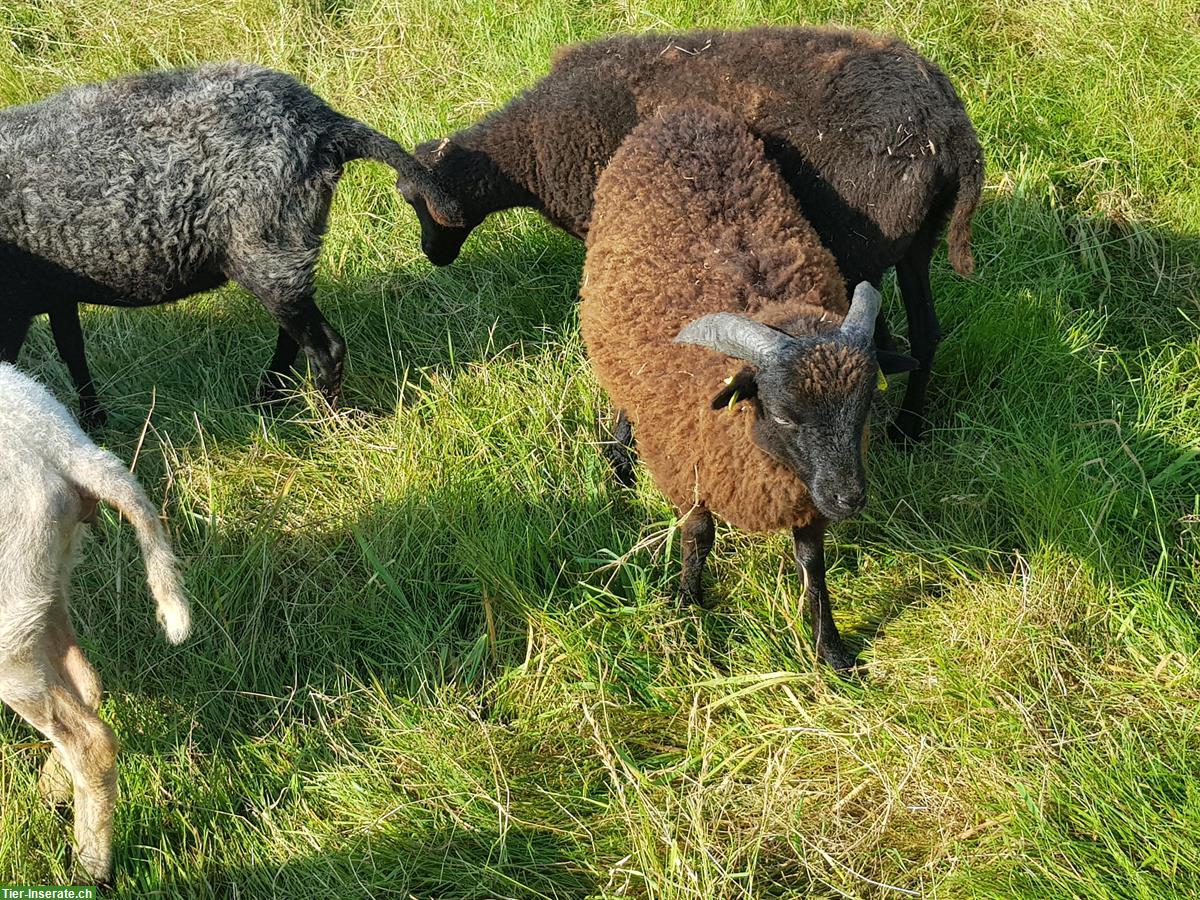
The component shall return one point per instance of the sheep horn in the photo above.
(735, 336)
(864, 307)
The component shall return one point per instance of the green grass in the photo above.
(436, 653)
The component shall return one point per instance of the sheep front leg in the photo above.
(698, 535)
(620, 451)
(810, 562)
(87, 747)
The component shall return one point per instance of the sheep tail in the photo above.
(360, 141)
(958, 235)
(101, 475)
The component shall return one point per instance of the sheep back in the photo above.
(871, 137)
(140, 184)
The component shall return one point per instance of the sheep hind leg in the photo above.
(620, 451)
(912, 275)
(275, 378)
(66, 656)
(68, 338)
(87, 747)
(12, 337)
(699, 532)
(809, 545)
(302, 327)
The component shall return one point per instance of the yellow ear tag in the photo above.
(882, 381)
(733, 398)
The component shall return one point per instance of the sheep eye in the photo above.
(784, 422)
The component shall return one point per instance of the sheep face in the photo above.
(812, 394)
(440, 243)
(467, 174)
(812, 409)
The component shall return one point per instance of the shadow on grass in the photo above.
(518, 863)
(1058, 406)
(1040, 438)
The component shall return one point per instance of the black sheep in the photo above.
(871, 138)
(156, 186)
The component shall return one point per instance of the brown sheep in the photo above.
(696, 240)
(872, 140)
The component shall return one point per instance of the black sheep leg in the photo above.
(302, 323)
(282, 362)
(289, 299)
(924, 334)
(698, 534)
(68, 338)
(620, 451)
(883, 334)
(810, 562)
(280, 273)
(12, 337)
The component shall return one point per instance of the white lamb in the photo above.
(51, 478)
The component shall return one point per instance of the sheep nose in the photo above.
(850, 501)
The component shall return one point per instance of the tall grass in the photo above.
(436, 651)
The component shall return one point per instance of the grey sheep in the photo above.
(871, 138)
(155, 186)
(51, 478)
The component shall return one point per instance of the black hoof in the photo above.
(268, 393)
(906, 431)
(685, 598)
(623, 470)
(93, 418)
(837, 657)
(333, 398)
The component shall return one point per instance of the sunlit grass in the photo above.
(436, 653)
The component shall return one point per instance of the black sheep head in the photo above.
(812, 394)
(443, 236)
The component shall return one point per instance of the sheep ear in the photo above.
(742, 386)
(864, 308)
(736, 336)
(892, 363)
(443, 208)
(446, 211)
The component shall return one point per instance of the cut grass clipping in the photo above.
(436, 653)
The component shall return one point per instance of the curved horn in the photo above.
(864, 307)
(735, 336)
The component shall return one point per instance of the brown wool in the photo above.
(688, 206)
(872, 138)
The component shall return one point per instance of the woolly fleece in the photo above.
(871, 137)
(691, 218)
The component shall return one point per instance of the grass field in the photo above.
(436, 654)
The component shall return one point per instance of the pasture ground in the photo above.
(436, 653)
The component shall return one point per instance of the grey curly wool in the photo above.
(155, 186)
(695, 237)
(871, 138)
